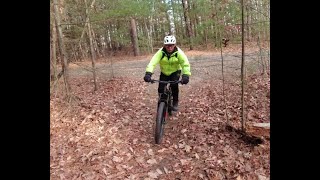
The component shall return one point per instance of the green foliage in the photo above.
(111, 19)
(74, 32)
(122, 9)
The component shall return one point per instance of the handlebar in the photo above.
(165, 82)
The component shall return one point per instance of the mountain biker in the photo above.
(172, 61)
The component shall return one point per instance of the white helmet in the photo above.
(169, 40)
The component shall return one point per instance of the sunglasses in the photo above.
(169, 45)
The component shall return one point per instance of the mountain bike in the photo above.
(164, 108)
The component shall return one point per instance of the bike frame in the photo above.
(166, 96)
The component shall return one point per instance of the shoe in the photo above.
(175, 106)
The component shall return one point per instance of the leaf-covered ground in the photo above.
(109, 134)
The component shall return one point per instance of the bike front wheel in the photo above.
(161, 115)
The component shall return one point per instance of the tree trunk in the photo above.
(243, 124)
(248, 23)
(187, 22)
(194, 21)
(148, 33)
(53, 53)
(95, 44)
(83, 52)
(62, 48)
(170, 17)
(91, 48)
(216, 25)
(134, 37)
(205, 33)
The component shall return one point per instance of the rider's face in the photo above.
(169, 47)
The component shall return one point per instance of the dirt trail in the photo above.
(204, 65)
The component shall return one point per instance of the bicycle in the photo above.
(164, 108)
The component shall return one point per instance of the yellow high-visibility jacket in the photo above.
(177, 61)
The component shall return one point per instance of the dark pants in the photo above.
(175, 87)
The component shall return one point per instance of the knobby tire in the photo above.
(160, 122)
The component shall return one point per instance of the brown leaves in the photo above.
(109, 135)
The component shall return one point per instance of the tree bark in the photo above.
(53, 53)
(62, 48)
(216, 26)
(91, 48)
(187, 22)
(134, 37)
(243, 124)
(83, 54)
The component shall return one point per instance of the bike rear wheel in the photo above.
(161, 115)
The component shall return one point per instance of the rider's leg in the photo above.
(175, 89)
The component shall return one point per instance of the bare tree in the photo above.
(53, 53)
(134, 37)
(242, 69)
(91, 48)
(64, 62)
(185, 5)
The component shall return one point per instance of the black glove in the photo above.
(147, 77)
(185, 79)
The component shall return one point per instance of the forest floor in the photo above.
(109, 133)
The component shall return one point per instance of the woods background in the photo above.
(103, 28)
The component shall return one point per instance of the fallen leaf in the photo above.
(153, 174)
(162, 150)
(184, 161)
(187, 148)
(135, 141)
(116, 159)
(105, 171)
(183, 131)
(150, 152)
(152, 161)
(181, 145)
(196, 155)
(201, 176)
(261, 177)
(140, 159)
(130, 148)
(159, 171)
(165, 170)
